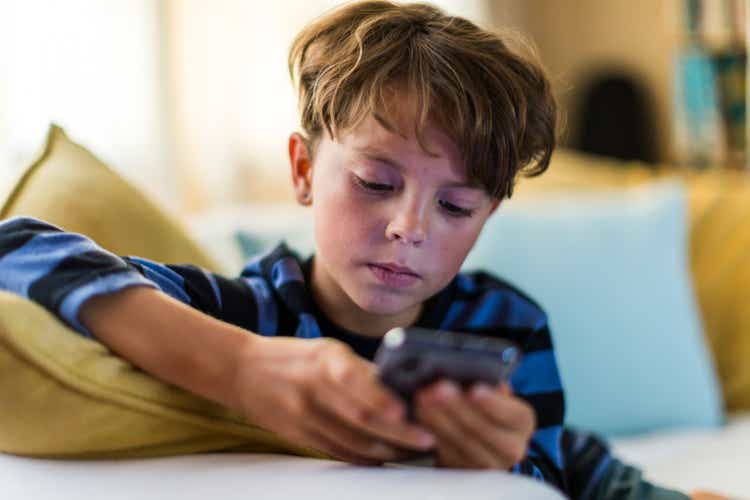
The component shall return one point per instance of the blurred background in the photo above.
(636, 241)
(191, 99)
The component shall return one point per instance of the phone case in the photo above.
(411, 358)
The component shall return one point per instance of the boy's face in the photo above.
(393, 224)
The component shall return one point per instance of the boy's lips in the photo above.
(395, 268)
(394, 275)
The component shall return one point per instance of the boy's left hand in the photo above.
(481, 428)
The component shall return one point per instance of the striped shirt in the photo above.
(62, 270)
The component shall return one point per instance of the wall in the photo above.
(94, 68)
(231, 103)
(576, 37)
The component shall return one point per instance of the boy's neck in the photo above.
(343, 312)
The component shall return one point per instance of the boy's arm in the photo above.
(592, 473)
(132, 305)
(62, 270)
(323, 395)
(170, 340)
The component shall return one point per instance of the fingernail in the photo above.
(481, 391)
(447, 390)
(426, 439)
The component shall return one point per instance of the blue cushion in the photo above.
(611, 271)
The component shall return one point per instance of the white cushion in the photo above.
(244, 476)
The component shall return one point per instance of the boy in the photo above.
(415, 126)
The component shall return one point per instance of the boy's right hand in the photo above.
(318, 393)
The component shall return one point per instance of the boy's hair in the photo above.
(496, 105)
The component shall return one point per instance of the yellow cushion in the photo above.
(63, 395)
(67, 396)
(69, 187)
(720, 261)
(719, 204)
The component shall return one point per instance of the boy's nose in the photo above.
(409, 228)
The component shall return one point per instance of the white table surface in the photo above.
(245, 476)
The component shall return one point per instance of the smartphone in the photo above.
(411, 358)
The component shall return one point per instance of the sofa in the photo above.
(644, 273)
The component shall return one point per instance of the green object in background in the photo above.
(249, 245)
(697, 114)
(731, 66)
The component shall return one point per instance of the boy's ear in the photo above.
(493, 207)
(300, 161)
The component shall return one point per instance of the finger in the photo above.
(452, 457)
(359, 378)
(402, 434)
(505, 410)
(345, 441)
(323, 443)
(438, 410)
(504, 447)
(358, 395)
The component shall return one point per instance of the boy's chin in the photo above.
(387, 304)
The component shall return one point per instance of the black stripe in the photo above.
(72, 272)
(527, 468)
(551, 474)
(198, 288)
(485, 281)
(579, 468)
(531, 340)
(436, 307)
(17, 232)
(293, 296)
(239, 306)
(468, 309)
(548, 406)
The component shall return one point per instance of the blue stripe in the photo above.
(580, 441)
(536, 473)
(284, 271)
(253, 265)
(455, 311)
(215, 287)
(507, 308)
(166, 279)
(596, 476)
(20, 268)
(466, 283)
(267, 315)
(536, 373)
(308, 327)
(110, 283)
(549, 438)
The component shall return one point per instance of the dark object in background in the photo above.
(615, 119)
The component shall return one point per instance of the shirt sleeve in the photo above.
(592, 473)
(537, 381)
(62, 270)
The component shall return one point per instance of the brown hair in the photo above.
(495, 104)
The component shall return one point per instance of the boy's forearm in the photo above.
(170, 340)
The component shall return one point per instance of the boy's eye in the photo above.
(375, 187)
(372, 186)
(455, 210)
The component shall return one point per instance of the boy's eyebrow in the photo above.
(377, 155)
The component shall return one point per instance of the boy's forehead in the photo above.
(373, 139)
